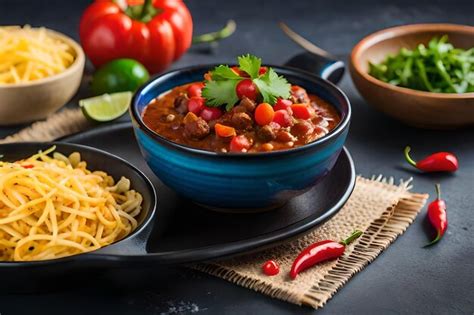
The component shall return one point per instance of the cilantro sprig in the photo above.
(221, 89)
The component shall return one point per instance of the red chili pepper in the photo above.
(319, 252)
(270, 268)
(437, 215)
(437, 162)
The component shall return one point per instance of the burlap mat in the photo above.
(60, 124)
(377, 207)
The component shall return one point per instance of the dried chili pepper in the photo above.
(319, 252)
(437, 215)
(436, 162)
(270, 268)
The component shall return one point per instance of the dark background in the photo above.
(405, 278)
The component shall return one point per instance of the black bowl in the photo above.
(96, 160)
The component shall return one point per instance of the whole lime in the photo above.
(119, 75)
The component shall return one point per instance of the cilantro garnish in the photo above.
(250, 64)
(221, 89)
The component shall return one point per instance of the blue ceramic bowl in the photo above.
(239, 182)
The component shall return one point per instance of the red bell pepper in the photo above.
(155, 32)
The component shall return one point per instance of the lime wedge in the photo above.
(106, 107)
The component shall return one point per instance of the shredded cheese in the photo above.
(28, 54)
(51, 207)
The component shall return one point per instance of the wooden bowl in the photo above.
(417, 108)
(35, 100)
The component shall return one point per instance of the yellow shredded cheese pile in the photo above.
(28, 54)
(52, 207)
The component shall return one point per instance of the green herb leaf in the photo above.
(272, 86)
(250, 64)
(224, 73)
(221, 92)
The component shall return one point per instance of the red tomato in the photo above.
(262, 70)
(264, 114)
(283, 104)
(107, 33)
(283, 118)
(270, 268)
(301, 111)
(246, 88)
(195, 89)
(239, 144)
(196, 105)
(211, 113)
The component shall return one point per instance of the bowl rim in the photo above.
(340, 128)
(77, 64)
(147, 220)
(396, 31)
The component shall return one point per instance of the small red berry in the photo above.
(270, 268)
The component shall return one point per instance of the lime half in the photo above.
(106, 107)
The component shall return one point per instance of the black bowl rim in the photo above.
(343, 124)
(146, 221)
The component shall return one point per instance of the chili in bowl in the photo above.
(240, 139)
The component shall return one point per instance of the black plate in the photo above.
(185, 232)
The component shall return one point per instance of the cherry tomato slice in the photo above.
(211, 113)
(283, 104)
(264, 114)
(301, 111)
(239, 144)
(196, 104)
(270, 268)
(246, 88)
(195, 89)
(283, 118)
(224, 131)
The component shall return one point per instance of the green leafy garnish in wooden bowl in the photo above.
(440, 68)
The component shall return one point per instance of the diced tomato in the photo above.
(283, 118)
(211, 113)
(283, 104)
(264, 114)
(195, 89)
(262, 70)
(196, 104)
(302, 111)
(239, 144)
(246, 88)
(224, 131)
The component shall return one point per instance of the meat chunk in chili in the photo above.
(241, 121)
(181, 103)
(266, 133)
(196, 128)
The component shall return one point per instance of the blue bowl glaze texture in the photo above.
(239, 181)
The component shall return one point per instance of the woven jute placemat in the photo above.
(378, 207)
(60, 124)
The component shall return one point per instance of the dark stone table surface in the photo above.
(405, 278)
